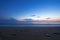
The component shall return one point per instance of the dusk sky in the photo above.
(30, 9)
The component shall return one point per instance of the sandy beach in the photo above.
(29, 33)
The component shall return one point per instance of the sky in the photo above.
(30, 9)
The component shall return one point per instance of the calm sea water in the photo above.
(43, 24)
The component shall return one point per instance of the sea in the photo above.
(34, 24)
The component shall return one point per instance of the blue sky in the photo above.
(23, 9)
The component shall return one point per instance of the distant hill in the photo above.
(10, 21)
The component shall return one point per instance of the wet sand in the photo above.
(29, 33)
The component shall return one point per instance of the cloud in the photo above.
(38, 16)
(48, 18)
(33, 15)
(27, 19)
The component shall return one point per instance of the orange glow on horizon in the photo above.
(41, 19)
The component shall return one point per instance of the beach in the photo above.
(30, 33)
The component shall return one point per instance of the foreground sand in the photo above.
(29, 33)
